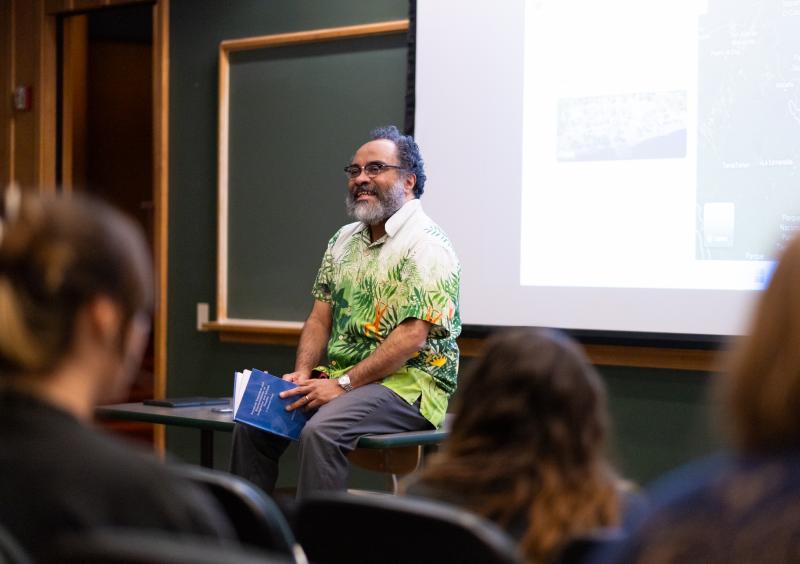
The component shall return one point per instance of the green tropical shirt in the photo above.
(412, 271)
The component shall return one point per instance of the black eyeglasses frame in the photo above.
(354, 171)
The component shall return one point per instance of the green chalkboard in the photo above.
(296, 114)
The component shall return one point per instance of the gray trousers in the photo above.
(330, 434)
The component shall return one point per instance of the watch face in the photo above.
(344, 382)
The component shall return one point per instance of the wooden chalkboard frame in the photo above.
(258, 330)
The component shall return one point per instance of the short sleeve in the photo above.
(323, 282)
(434, 279)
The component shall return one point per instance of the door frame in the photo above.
(160, 92)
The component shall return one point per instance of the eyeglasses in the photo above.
(371, 169)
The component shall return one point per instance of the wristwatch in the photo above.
(344, 382)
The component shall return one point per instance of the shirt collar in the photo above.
(394, 223)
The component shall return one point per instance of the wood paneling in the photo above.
(28, 56)
(66, 6)
(161, 198)
(73, 102)
(25, 64)
(46, 130)
(629, 355)
(119, 127)
(6, 74)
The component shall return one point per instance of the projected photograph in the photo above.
(641, 125)
(748, 130)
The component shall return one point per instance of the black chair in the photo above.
(585, 548)
(336, 528)
(134, 546)
(257, 520)
(11, 552)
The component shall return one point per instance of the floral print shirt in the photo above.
(411, 272)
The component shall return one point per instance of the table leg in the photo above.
(207, 448)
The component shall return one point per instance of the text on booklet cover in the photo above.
(257, 403)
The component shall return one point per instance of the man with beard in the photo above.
(385, 311)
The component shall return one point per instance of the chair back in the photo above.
(135, 546)
(256, 518)
(337, 527)
(585, 548)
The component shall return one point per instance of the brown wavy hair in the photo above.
(760, 395)
(528, 440)
(57, 253)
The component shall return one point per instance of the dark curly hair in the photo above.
(407, 152)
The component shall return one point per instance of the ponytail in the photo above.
(19, 349)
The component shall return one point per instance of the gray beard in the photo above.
(373, 213)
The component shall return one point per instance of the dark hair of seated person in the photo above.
(527, 445)
(75, 299)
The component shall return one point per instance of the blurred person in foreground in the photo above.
(742, 505)
(75, 300)
(527, 445)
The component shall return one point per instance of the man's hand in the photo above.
(314, 393)
(298, 376)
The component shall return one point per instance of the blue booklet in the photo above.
(256, 402)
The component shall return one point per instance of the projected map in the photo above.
(748, 189)
(643, 125)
